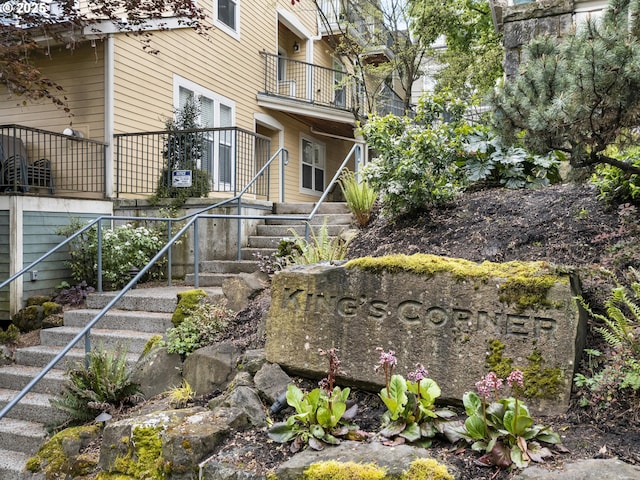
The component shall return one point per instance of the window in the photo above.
(227, 13)
(215, 112)
(313, 166)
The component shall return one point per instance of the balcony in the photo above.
(310, 92)
(204, 160)
(35, 161)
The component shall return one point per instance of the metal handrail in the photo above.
(356, 151)
(192, 220)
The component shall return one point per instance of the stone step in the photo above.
(133, 340)
(41, 355)
(11, 464)
(158, 299)
(22, 436)
(154, 322)
(34, 407)
(16, 377)
(250, 253)
(306, 208)
(321, 219)
(286, 231)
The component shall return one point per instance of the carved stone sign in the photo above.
(440, 319)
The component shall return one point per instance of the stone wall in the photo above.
(439, 317)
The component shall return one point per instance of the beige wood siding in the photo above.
(80, 73)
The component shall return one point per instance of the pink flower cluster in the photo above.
(387, 359)
(418, 374)
(515, 378)
(491, 383)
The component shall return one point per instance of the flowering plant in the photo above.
(322, 415)
(501, 427)
(411, 414)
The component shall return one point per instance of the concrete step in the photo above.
(133, 340)
(157, 299)
(320, 219)
(11, 464)
(41, 355)
(16, 377)
(207, 279)
(22, 436)
(120, 320)
(250, 253)
(306, 208)
(34, 407)
(228, 266)
(286, 231)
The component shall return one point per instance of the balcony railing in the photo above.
(211, 159)
(31, 159)
(296, 80)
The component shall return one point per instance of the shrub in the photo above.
(416, 161)
(103, 384)
(123, 247)
(200, 328)
(359, 195)
(180, 396)
(616, 186)
(10, 335)
(76, 295)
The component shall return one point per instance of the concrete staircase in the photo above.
(264, 241)
(138, 316)
(142, 313)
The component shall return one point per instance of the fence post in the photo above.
(99, 273)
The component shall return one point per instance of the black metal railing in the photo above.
(32, 158)
(209, 159)
(293, 79)
(389, 102)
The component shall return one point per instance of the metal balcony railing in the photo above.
(314, 84)
(212, 159)
(31, 158)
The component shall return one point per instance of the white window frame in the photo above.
(323, 150)
(234, 32)
(218, 100)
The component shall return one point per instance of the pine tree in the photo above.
(578, 95)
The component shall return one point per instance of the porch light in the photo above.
(296, 47)
(72, 133)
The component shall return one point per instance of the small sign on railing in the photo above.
(181, 178)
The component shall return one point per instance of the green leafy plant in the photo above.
(360, 196)
(180, 396)
(123, 247)
(614, 375)
(103, 385)
(491, 163)
(322, 415)
(415, 165)
(502, 428)
(411, 411)
(202, 325)
(321, 247)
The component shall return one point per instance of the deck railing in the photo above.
(32, 158)
(296, 80)
(212, 159)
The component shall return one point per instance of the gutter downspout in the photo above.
(109, 61)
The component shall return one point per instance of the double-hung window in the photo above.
(313, 166)
(216, 112)
(227, 15)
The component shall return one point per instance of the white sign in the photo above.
(181, 178)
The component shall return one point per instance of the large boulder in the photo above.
(157, 372)
(211, 368)
(458, 318)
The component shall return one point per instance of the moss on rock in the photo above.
(525, 283)
(426, 469)
(144, 460)
(53, 458)
(187, 301)
(333, 470)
